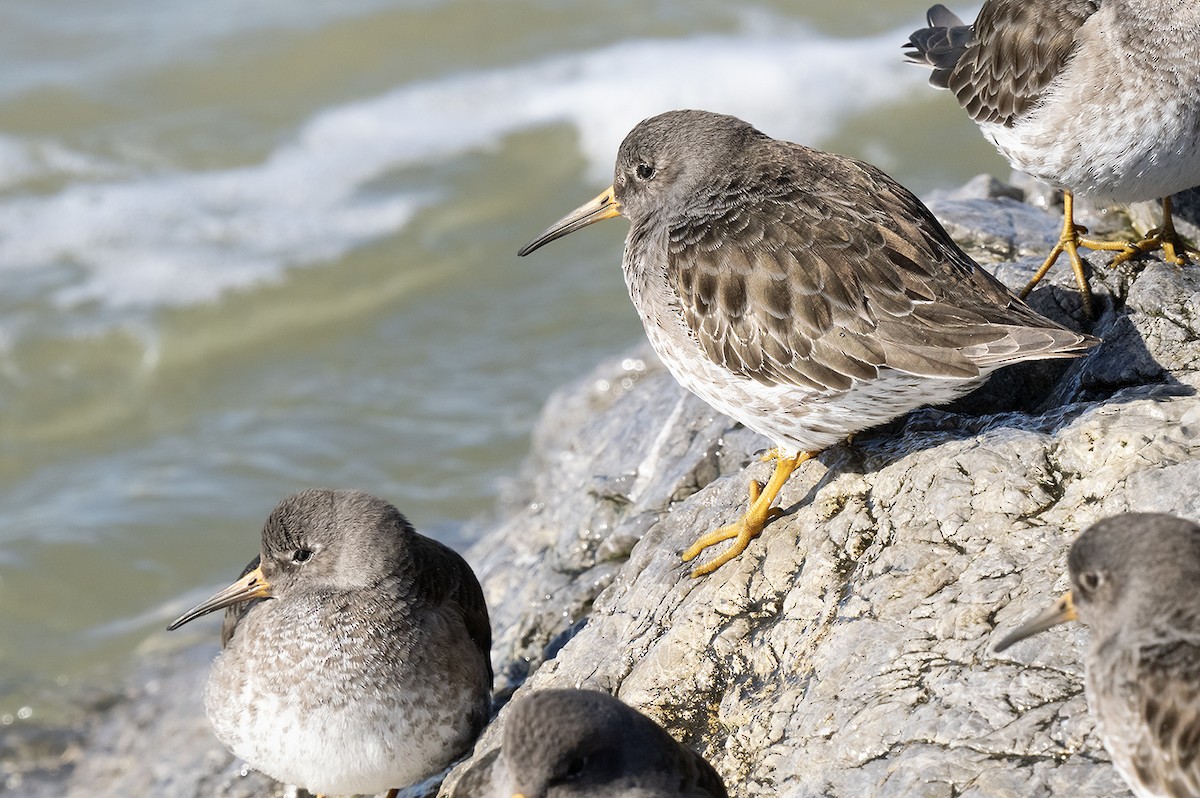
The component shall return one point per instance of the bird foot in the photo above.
(1069, 242)
(744, 530)
(1164, 237)
(750, 525)
(1175, 250)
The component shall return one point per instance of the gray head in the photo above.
(575, 743)
(666, 164)
(672, 160)
(1135, 572)
(320, 540)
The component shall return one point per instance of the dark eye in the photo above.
(1089, 581)
(301, 556)
(573, 770)
(645, 171)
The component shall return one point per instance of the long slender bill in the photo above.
(1062, 611)
(605, 206)
(251, 586)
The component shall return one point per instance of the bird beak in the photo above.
(602, 207)
(1062, 611)
(251, 586)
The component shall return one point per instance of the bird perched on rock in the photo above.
(1098, 97)
(1135, 583)
(576, 743)
(355, 651)
(805, 294)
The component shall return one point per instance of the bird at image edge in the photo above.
(1098, 98)
(1135, 583)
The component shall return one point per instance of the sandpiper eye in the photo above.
(645, 171)
(301, 556)
(1089, 581)
(575, 769)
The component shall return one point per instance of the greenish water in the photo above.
(248, 248)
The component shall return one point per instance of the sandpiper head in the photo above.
(665, 163)
(327, 540)
(1135, 569)
(567, 743)
(670, 161)
(1130, 571)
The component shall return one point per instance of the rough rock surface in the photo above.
(847, 652)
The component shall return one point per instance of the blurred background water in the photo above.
(252, 246)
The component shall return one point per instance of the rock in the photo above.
(847, 651)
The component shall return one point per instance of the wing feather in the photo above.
(999, 67)
(826, 270)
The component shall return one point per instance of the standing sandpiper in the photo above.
(805, 294)
(1098, 97)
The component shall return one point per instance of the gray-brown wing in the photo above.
(1166, 756)
(822, 270)
(1000, 66)
(448, 581)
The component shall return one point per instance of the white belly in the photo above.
(351, 731)
(798, 419)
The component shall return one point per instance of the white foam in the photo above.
(25, 159)
(187, 237)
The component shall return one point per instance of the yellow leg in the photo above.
(392, 793)
(1069, 241)
(1164, 236)
(757, 515)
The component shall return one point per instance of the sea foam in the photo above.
(141, 241)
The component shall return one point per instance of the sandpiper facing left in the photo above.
(355, 651)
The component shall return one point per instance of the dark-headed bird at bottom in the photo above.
(587, 744)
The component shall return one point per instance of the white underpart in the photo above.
(799, 419)
(343, 734)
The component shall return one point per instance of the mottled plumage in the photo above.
(355, 651)
(1098, 98)
(805, 294)
(1135, 583)
(577, 743)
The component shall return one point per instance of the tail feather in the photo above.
(1031, 343)
(940, 45)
